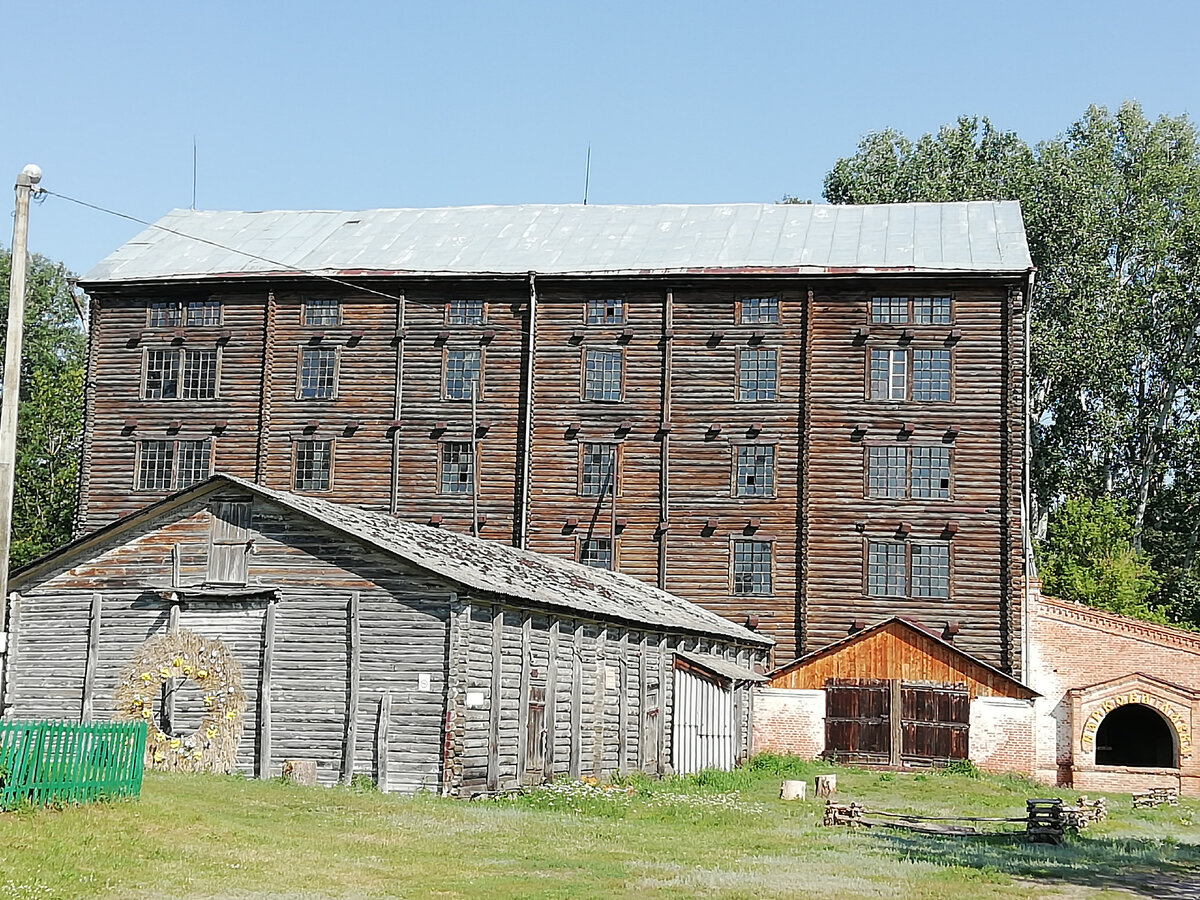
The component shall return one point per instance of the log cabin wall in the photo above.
(686, 333)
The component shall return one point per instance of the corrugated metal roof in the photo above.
(721, 666)
(578, 240)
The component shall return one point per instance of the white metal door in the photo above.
(704, 732)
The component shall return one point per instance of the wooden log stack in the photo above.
(1045, 821)
(850, 814)
(1156, 797)
(1085, 812)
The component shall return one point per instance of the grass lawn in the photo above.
(714, 835)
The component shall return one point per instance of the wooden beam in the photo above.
(496, 697)
(599, 695)
(643, 695)
(264, 692)
(9, 615)
(551, 712)
(623, 704)
(577, 702)
(264, 390)
(87, 713)
(175, 564)
(398, 404)
(382, 725)
(353, 677)
(895, 713)
(661, 732)
(523, 701)
(521, 520)
(664, 472)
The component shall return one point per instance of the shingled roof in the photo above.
(474, 563)
(736, 238)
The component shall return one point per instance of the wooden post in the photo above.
(398, 404)
(8, 627)
(351, 746)
(87, 713)
(895, 714)
(173, 616)
(523, 700)
(521, 520)
(599, 695)
(577, 702)
(264, 390)
(623, 706)
(495, 696)
(381, 741)
(662, 704)
(642, 701)
(264, 692)
(175, 566)
(664, 479)
(551, 712)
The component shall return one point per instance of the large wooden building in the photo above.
(806, 418)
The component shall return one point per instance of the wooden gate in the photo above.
(889, 722)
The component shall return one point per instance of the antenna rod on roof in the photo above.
(193, 171)
(587, 173)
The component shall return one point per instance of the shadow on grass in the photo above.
(1149, 868)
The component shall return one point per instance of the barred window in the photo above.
(204, 312)
(606, 311)
(752, 567)
(321, 311)
(602, 375)
(465, 311)
(931, 473)
(162, 374)
(931, 570)
(757, 373)
(886, 576)
(889, 374)
(931, 310)
(889, 310)
(318, 367)
(166, 314)
(155, 465)
(596, 552)
(931, 375)
(193, 462)
(172, 465)
(760, 310)
(313, 465)
(458, 469)
(755, 470)
(199, 374)
(463, 369)
(887, 472)
(597, 469)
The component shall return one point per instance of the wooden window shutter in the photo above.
(229, 550)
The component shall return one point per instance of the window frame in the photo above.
(912, 467)
(737, 371)
(769, 540)
(304, 310)
(909, 355)
(181, 367)
(740, 314)
(297, 440)
(337, 372)
(908, 545)
(178, 304)
(174, 480)
(187, 323)
(618, 454)
(583, 370)
(623, 306)
(910, 309)
(614, 550)
(483, 312)
(909, 449)
(446, 351)
(474, 482)
(912, 374)
(735, 448)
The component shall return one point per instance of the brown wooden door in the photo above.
(935, 723)
(857, 721)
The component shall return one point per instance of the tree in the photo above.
(50, 417)
(1112, 210)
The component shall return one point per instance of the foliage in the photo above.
(50, 418)
(1088, 557)
(1112, 210)
(963, 767)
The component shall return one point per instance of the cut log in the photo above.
(301, 771)
(793, 790)
(826, 786)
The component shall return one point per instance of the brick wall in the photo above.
(789, 721)
(1002, 734)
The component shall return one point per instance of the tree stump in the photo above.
(301, 771)
(826, 786)
(793, 790)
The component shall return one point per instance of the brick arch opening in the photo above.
(1136, 736)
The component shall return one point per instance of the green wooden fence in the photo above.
(69, 762)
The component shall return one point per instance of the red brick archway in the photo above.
(1137, 736)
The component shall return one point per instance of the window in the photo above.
(606, 311)
(463, 369)
(596, 552)
(165, 465)
(199, 374)
(313, 465)
(931, 375)
(597, 469)
(889, 310)
(229, 539)
(166, 314)
(465, 311)
(889, 374)
(322, 311)
(931, 570)
(755, 471)
(318, 373)
(457, 468)
(759, 310)
(886, 575)
(887, 472)
(752, 567)
(162, 374)
(757, 375)
(931, 473)
(602, 375)
(204, 312)
(931, 310)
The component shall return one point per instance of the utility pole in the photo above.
(26, 182)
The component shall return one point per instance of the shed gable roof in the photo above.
(746, 238)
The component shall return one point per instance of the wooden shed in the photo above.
(898, 694)
(426, 659)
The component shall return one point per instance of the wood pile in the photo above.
(843, 814)
(1045, 821)
(1085, 812)
(1156, 797)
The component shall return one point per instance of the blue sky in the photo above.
(377, 104)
